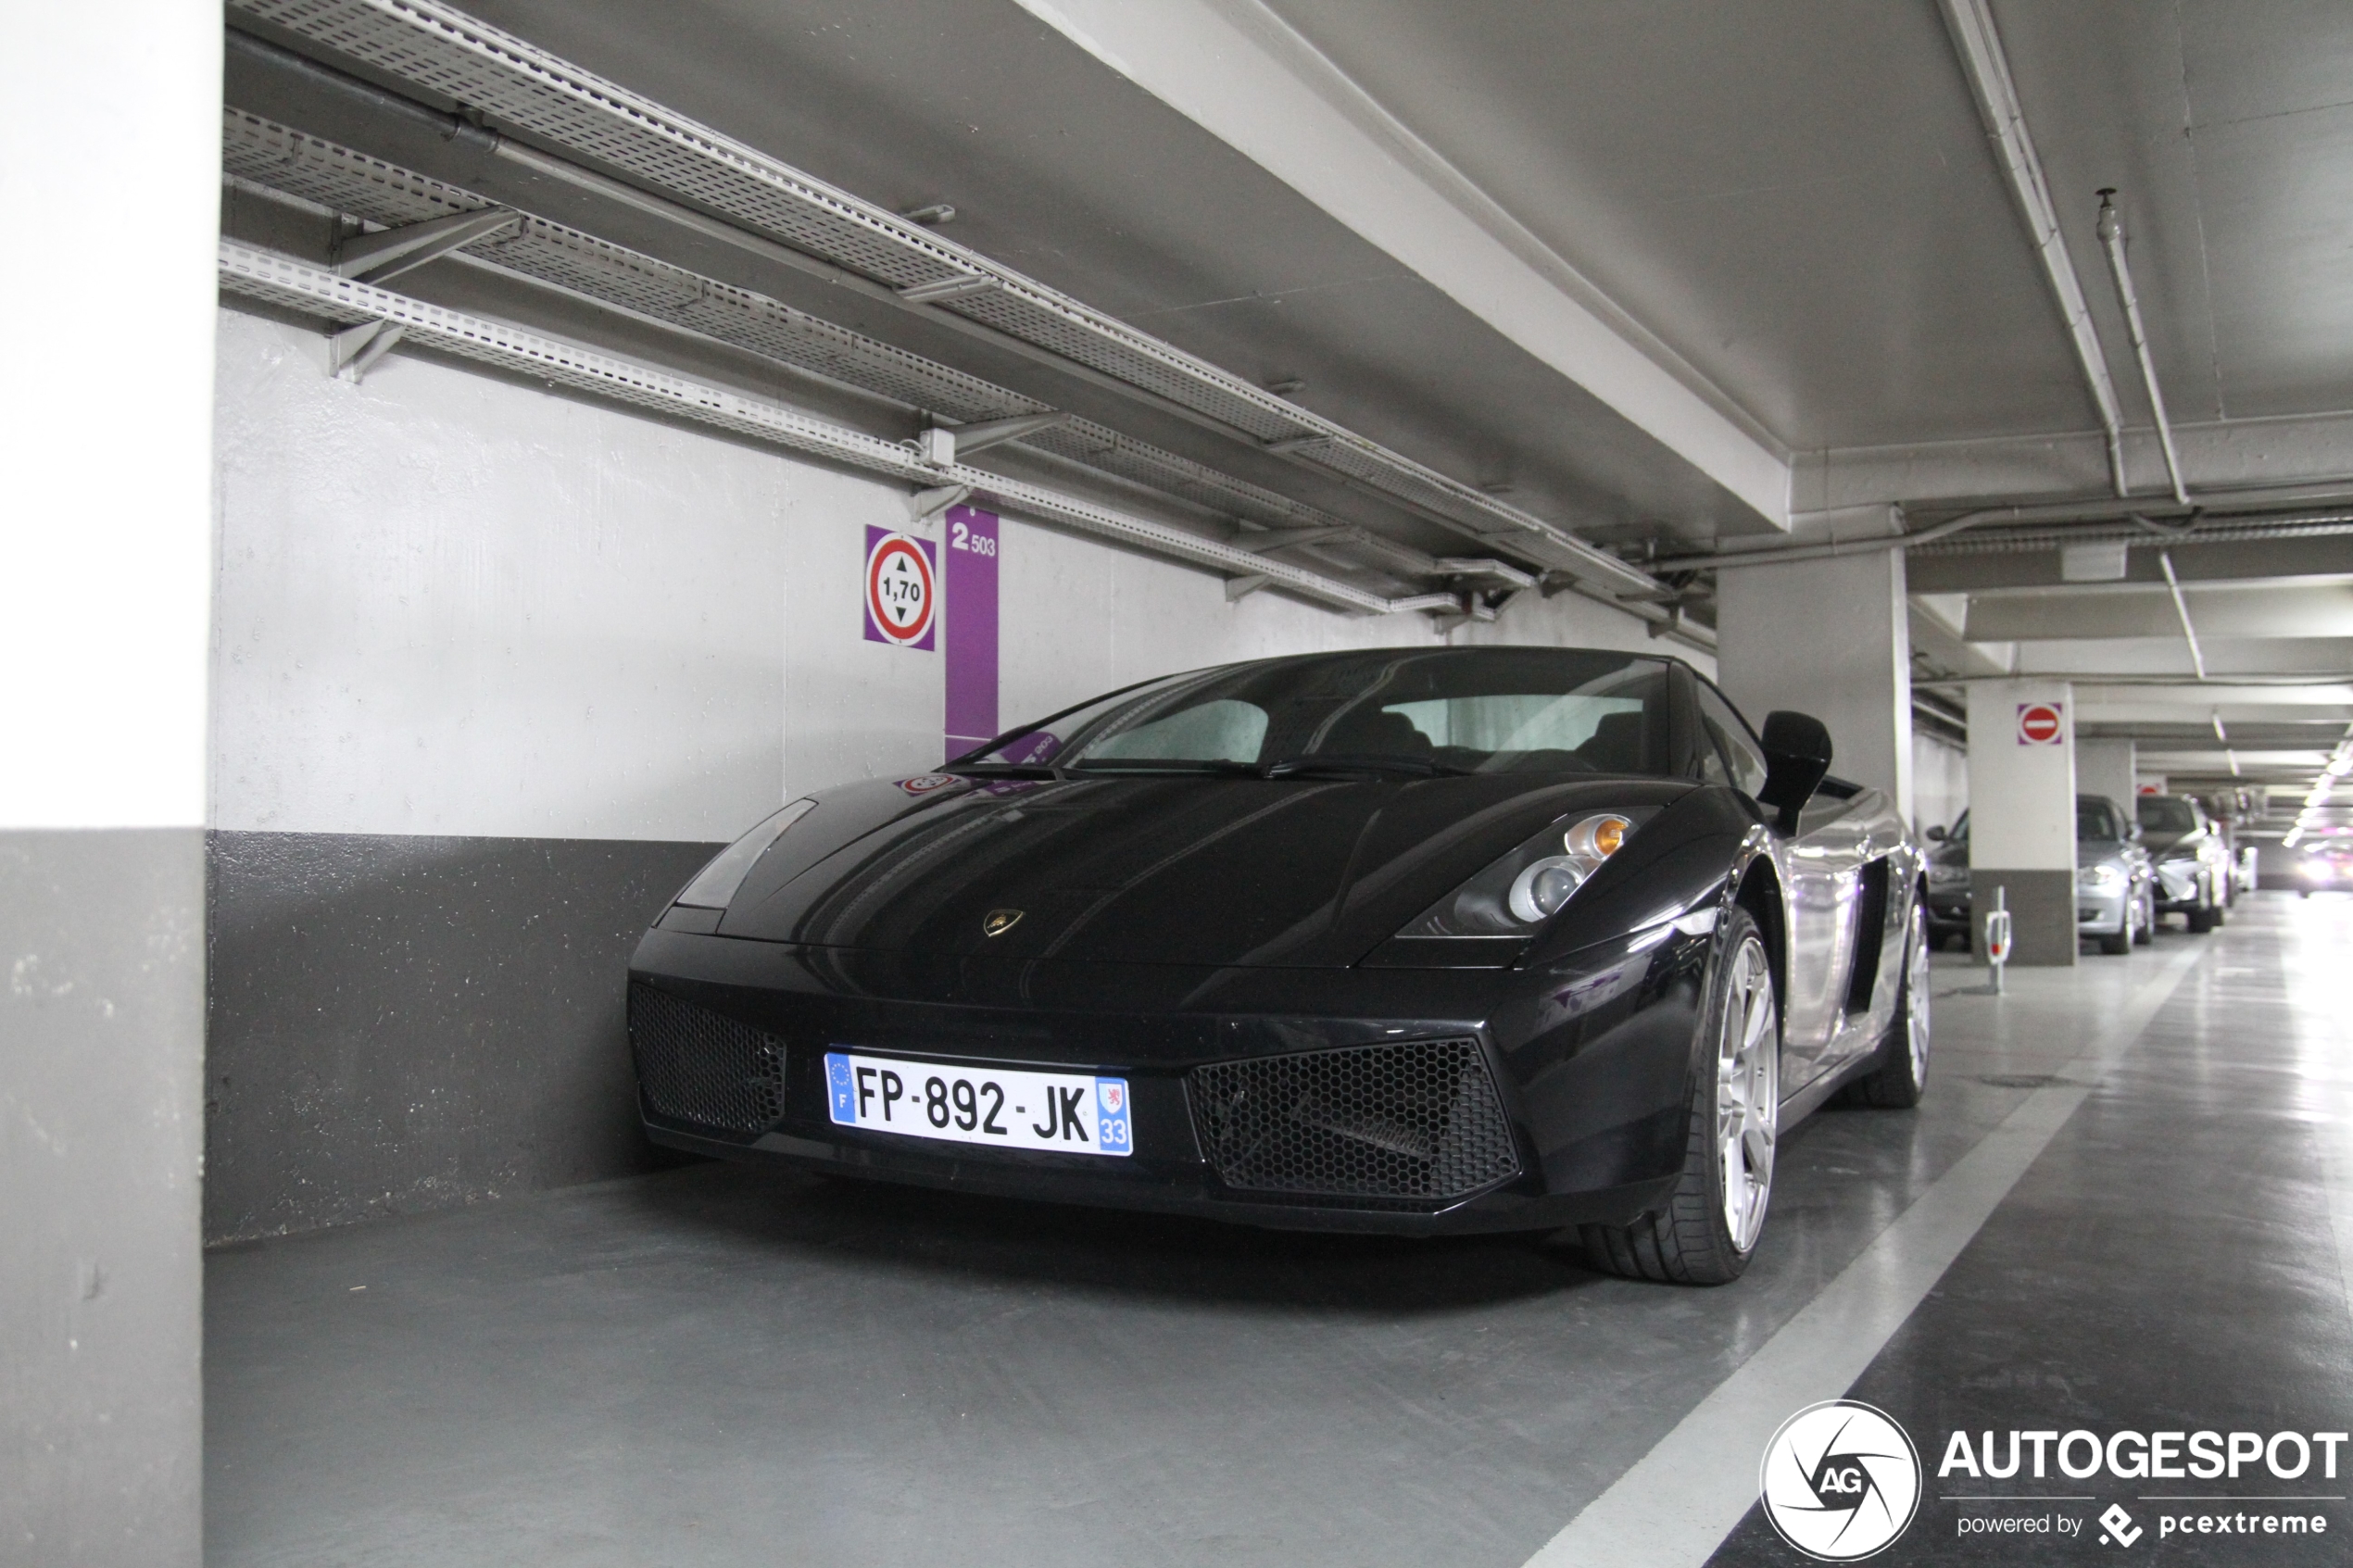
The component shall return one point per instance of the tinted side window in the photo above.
(1744, 760)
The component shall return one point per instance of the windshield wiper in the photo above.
(1001, 770)
(1189, 767)
(1336, 762)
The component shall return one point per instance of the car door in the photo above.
(1822, 866)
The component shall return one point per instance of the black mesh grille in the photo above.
(696, 1066)
(1420, 1120)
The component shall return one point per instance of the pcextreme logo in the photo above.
(1841, 1480)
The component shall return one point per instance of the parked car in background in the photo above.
(2192, 863)
(1948, 884)
(2116, 884)
(2325, 866)
(2115, 880)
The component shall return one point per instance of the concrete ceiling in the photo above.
(1670, 270)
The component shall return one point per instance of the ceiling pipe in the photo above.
(2214, 515)
(2181, 608)
(1978, 45)
(2111, 232)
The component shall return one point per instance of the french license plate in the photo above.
(1066, 1113)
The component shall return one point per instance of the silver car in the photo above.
(2115, 881)
(2193, 862)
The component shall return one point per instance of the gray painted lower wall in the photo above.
(407, 1024)
(101, 1074)
(2042, 906)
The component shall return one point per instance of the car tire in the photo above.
(1902, 1078)
(2116, 942)
(2147, 933)
(1709, 1227)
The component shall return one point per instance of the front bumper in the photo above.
(2102, 912)
(2181, 887)
(1589, 1060)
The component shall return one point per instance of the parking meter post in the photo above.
(1997, 935)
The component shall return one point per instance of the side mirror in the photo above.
(1797, 756)
(1936, 836)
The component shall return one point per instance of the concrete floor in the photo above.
(717, 1365)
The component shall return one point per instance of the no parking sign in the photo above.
(902, 590)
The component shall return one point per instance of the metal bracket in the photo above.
(354, 351)
(386, 254)
(1481, 566)
(984, 433)
(1670, 625)
(1238, 588)
(1284, 538)
(924, 505)
(947, 288)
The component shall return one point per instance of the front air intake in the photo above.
(1419, 1122)
(697, 1066)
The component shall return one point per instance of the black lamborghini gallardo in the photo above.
(1423, 941)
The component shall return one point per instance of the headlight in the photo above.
(2098, 879)
(1528, 887)
(715, 887)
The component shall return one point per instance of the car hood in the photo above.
(1171, 870)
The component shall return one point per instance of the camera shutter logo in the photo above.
(1841, 1481)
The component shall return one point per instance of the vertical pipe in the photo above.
(2111, 230)
(1979, 44)
(2181, 608)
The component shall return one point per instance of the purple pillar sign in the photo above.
(972, 628)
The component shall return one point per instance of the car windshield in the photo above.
(2167, 813)
(2096, 823)
(1443, 710)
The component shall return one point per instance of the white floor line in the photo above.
(1679, 1501)
(2340, 1191)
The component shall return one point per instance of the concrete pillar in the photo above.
(1829, 638)
(2106, 767)
(2021, 818)
(105, 596)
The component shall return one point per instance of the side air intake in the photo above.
(698, 1067)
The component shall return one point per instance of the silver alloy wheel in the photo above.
(1748, 1094)
(1916, 995)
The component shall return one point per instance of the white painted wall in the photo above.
(2024, 795)
(1940, 782)
(2106, 767)
(1832, 638)
(104, 414)
(452, 604)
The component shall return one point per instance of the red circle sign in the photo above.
(901, 594)
(2038, 723)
